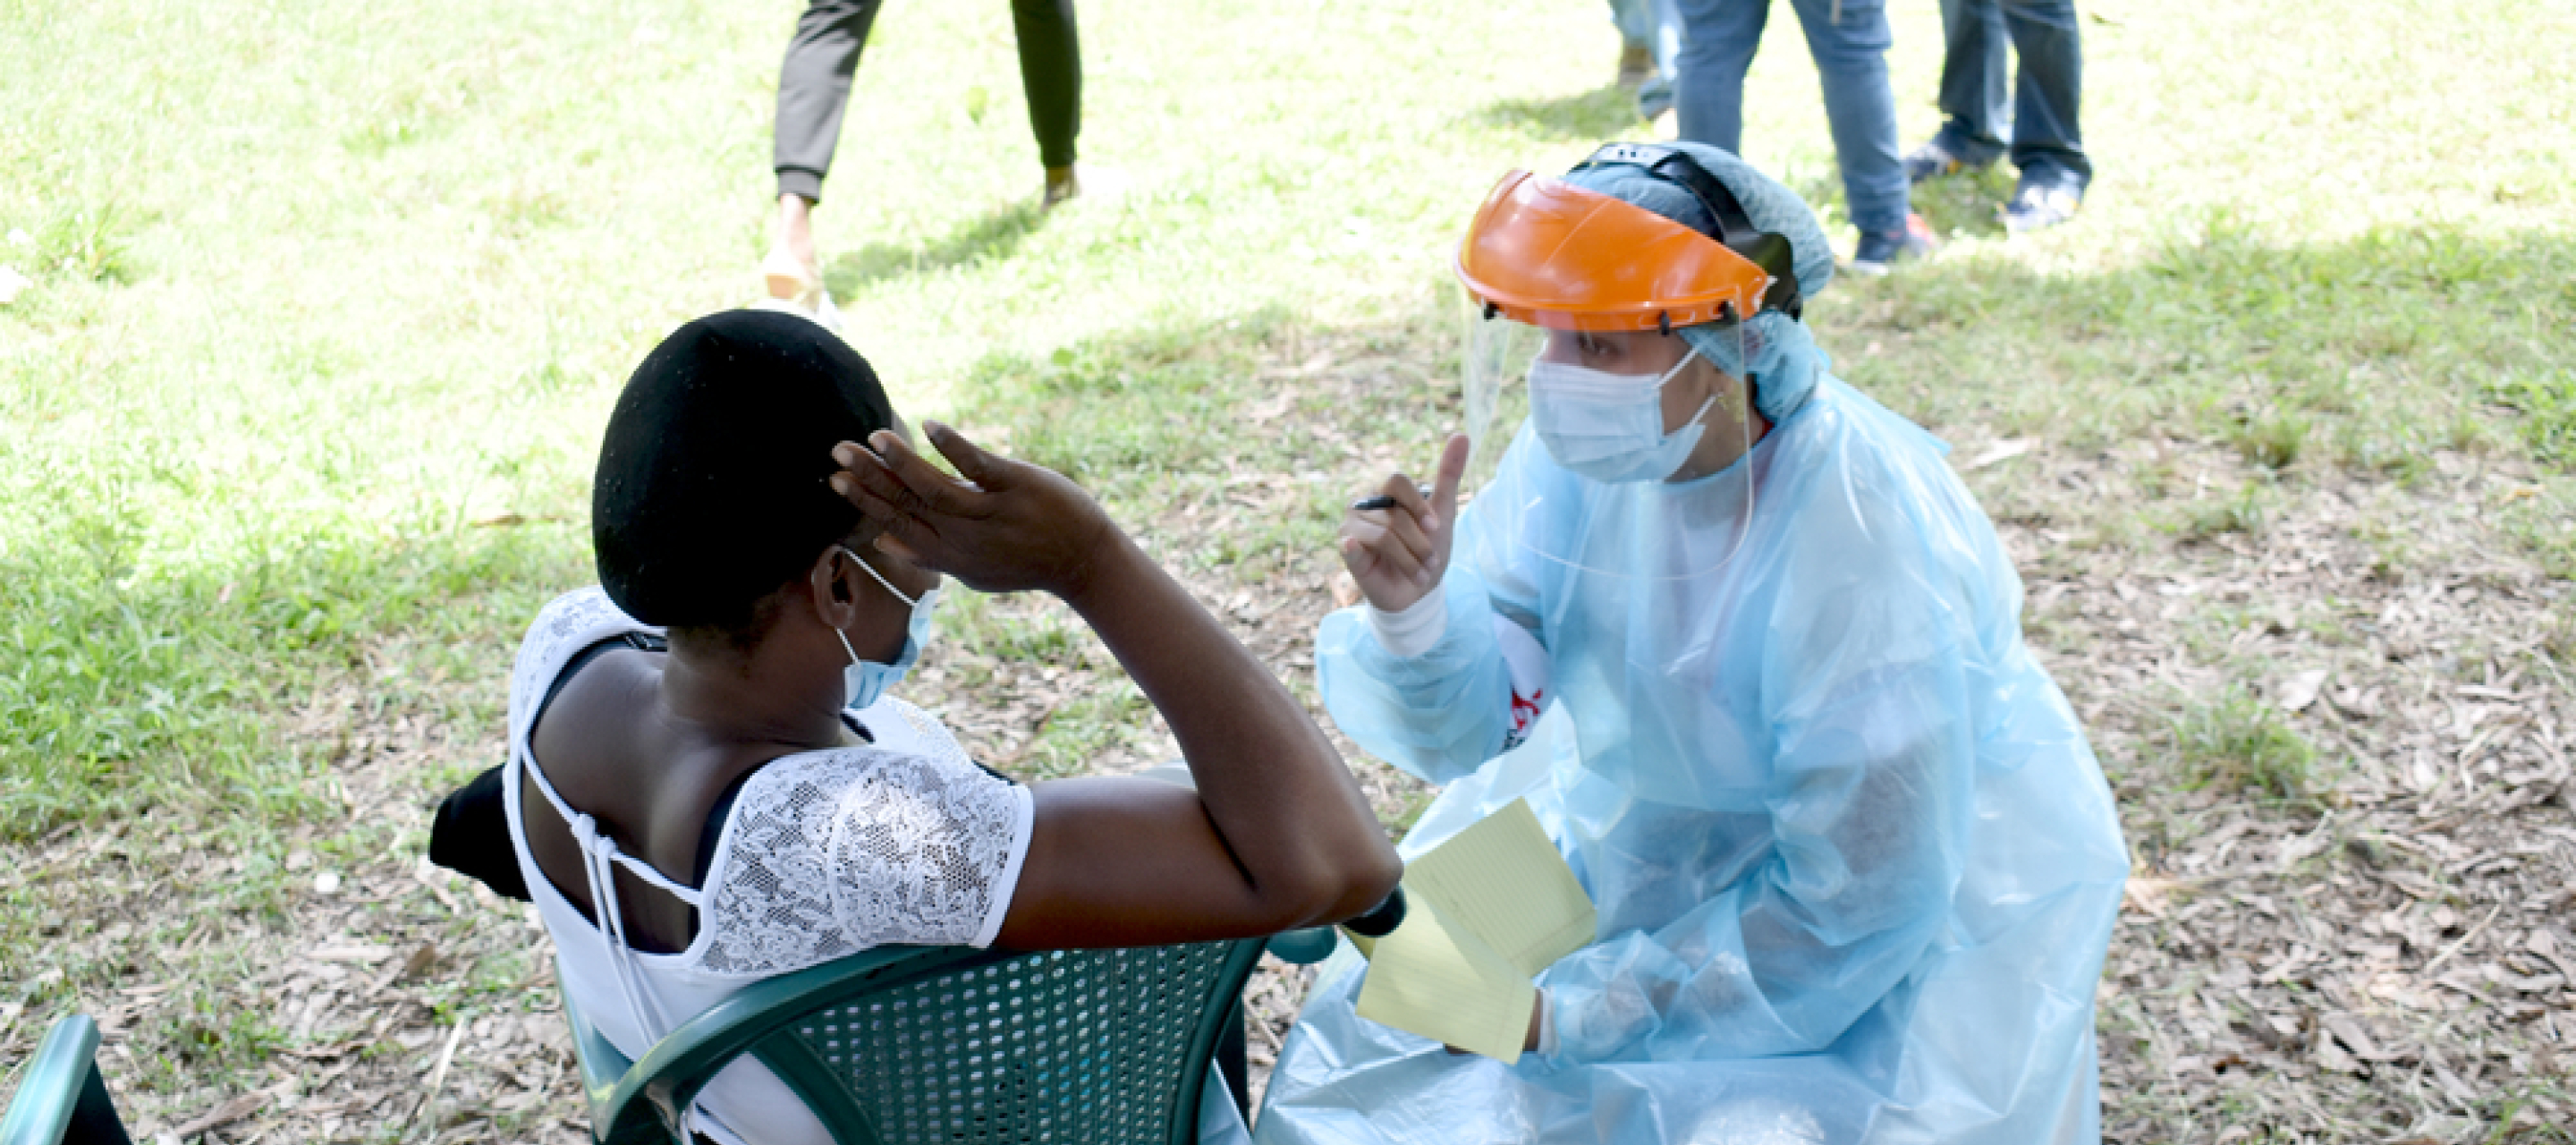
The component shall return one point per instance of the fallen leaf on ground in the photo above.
(1998, 453)
(225, 1114)
(2300, 690)
(2149, 893)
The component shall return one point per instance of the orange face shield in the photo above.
(1553, 255)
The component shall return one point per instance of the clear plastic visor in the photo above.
(1639, 441)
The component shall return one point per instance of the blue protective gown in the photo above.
(1855, 864)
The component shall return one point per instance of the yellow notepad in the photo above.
(1486, 911)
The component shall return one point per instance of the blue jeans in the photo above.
(1849, 40)
(1650, 24)
(2046, 141)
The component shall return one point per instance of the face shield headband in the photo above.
(1768, 250)
(1550, 254)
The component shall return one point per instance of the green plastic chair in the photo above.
(912, 1045)
(61, 1098)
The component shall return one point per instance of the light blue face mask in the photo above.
(867, 680)
(1610, 427)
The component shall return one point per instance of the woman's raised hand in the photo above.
(1398, 554)
(1008, 526)
(1277, 835)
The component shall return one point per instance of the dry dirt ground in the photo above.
(2382, 954)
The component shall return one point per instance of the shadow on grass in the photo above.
(1603, 113)
(2364, 356)
(994, 236)
(1967, 203)
(1238, 439)
(1122, 408)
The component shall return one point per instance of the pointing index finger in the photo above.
(1453, 469)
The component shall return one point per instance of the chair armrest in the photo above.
(51, 1086)
(645, 1103)
(1315, 943)
(602, 1066)
(1304, 947)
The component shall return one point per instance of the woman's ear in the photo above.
(833, 584)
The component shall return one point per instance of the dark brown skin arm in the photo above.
(1276, 836)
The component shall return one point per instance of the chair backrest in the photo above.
(61, 1098)
(911, 1045)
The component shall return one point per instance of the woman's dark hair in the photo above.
(712, 486)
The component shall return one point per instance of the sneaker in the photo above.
(1932, 161)
(2035, 207)
(1879, 253)
(1636, 66)
(1655, 98)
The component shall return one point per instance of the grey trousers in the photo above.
(814, 84)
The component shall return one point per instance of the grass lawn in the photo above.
(326, 310)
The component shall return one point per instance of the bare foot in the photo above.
(791, 269)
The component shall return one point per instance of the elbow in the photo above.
(1355, 883)
(1370, 879)
(1335, 886)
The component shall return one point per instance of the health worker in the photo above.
(1754, 656)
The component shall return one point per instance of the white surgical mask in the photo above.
(867, 680)
(1610, 427)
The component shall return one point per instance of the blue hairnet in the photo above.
(1777, 351)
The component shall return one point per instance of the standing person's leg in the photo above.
(1849, 40)
(1051, 75)
(813, 95)
(1718, 38)
(1635, 20)
(1973, 68)
(1649, 37)
(1655, 96)
(2048, 96)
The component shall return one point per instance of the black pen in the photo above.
(1382, 501)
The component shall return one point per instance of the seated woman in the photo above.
(708, 784)
(1855, 866)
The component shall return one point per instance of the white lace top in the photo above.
(823, 854)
